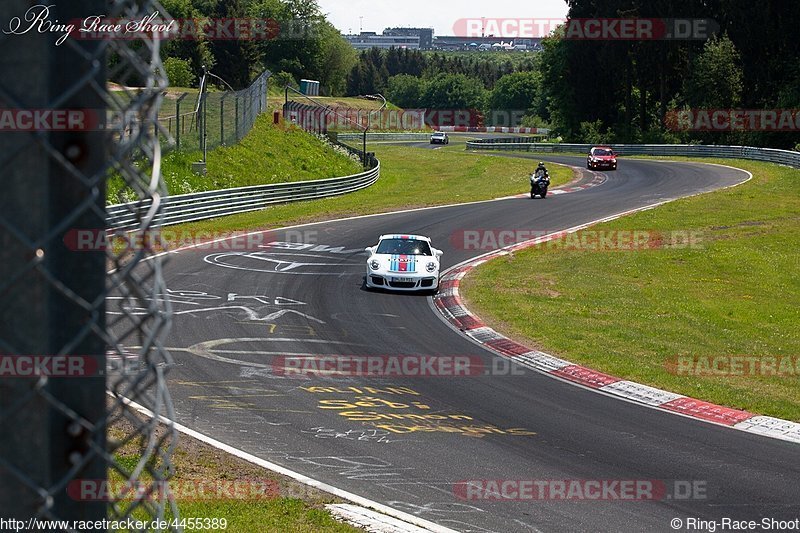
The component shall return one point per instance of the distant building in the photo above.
(425, 35)
(447, 42)
(424, 39)
(370, 39)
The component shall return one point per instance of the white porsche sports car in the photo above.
(403, 263)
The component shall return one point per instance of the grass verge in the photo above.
(268, 154)
(410, 177)
(209, 483)
(632, 313)
(276, 99)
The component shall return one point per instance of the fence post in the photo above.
(52, 300)
(251, 108)
(178, 121)
(236, 113)
(222, 118)
(265, 92)
(260, 91)
(364, 152)
(204, 122)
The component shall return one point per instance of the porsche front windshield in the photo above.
(404, 247)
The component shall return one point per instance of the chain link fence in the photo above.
(81, 332)
(316, 118)
(218, 118)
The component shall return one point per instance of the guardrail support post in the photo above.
(178, 121)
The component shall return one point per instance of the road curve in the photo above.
(236, 312)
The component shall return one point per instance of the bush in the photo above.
(515, 91)
(283, 78)
(405, 90)
(179, 72)
(592, 133)
(535, 121)
(657, 135)
(453, 91)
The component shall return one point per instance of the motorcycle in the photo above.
(540, 181)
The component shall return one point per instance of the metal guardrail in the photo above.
(770, 155)
(212, 204)
(424, 136)
(350, 137)
(509, 140)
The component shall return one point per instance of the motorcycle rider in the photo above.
(541, 167)
(540, 187)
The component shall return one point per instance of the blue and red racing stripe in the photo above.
(402, 263)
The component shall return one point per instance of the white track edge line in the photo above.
(348, 495)
(320, 485)
(275, 467)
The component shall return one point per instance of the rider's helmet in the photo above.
(541, 168)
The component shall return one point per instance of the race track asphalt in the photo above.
(237, 312)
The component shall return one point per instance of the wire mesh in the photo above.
(225, 116)
(64, 430)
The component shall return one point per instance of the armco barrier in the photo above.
(424, 136)
(351, 137)
(771, 155)
(211, 204)
(542, 132)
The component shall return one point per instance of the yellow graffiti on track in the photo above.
(402, 417)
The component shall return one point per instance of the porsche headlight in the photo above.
(374, 264)
(430, 267)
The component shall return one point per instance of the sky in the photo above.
(441, 15)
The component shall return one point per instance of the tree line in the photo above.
(299, 42)
(477, 82)
(620, 90)
(628, 91)
(584, 90)
(375, 67)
